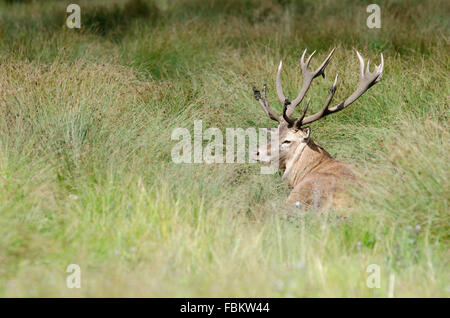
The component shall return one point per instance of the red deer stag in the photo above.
(316, 178)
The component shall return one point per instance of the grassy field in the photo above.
(86, 175)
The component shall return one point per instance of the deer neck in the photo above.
(307, 158)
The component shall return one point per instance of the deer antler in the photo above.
(366, 80)
(265, 104)
(290, 121)
(308, 77)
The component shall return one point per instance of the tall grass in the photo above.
(86, 175)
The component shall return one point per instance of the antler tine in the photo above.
(300, 119)
(324, 109)
(302, 59)
(379, 69)
(308, 77)
(361, 65)
(334, 86)
(297, 122)
(265, 104)
(290, 121)
(321, 69)
(309, 58)
(366, 80)
(279, 89)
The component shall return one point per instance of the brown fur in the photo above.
(318, 179)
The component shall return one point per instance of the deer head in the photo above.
(293, 135)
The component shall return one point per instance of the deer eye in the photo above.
(286, 142)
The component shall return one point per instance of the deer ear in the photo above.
(306, 132)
